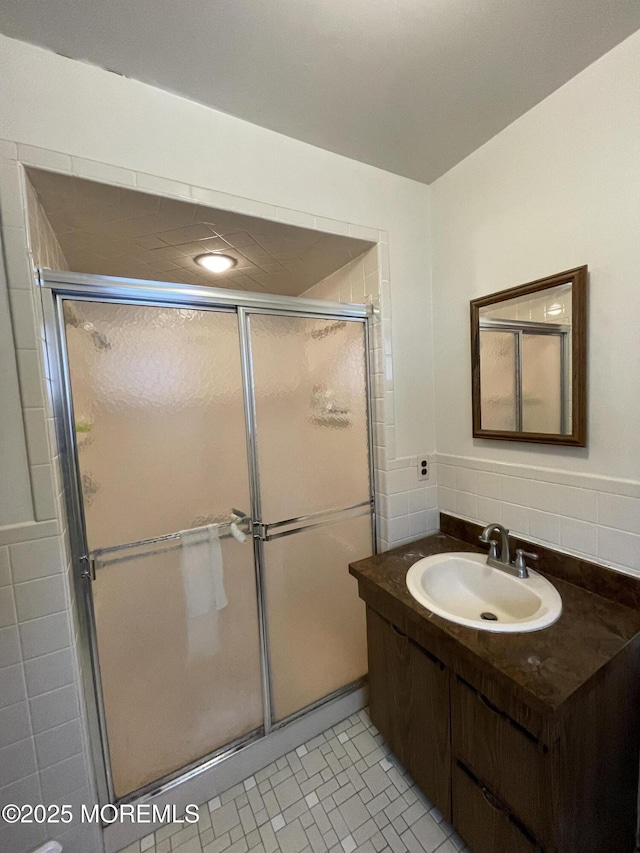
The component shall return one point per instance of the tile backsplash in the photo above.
(591, 516)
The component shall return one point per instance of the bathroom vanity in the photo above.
(524, 741)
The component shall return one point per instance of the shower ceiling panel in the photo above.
(107, 230)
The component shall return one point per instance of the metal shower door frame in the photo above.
(55, 287)
(318, 519)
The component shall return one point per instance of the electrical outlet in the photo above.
(423, 467)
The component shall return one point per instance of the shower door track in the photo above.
(54, 288)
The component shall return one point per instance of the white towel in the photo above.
(203, 581)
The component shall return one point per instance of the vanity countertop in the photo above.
(547, 668)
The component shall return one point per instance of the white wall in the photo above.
(558, 188)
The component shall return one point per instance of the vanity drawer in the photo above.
(503, 754)
(483, 821)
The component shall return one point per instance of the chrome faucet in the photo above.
(503, 562)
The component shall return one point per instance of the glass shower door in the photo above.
(160, 424)
(311, 425)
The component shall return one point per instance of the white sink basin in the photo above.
(461, 587)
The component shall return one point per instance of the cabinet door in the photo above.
(409, 699)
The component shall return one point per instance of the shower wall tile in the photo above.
(15, 724)
(362, 232)
(11, 204)
(45, 635)
(5, 567)
(8, 150)
(23, 319)
(40, 597)
(7, 607)
(251, 207)
(55, 708)
(49, 672)
(31, 378)
(332, 226)
(60, 780)
(57, 744)
(37, 559)
(16, 244)
(17, 761)
(12, 685)
(17, 836)
(102, 172)
(37, 433)
(43, 492)
(211, 198)
(162, 186)
(9, 646)
(42, 158)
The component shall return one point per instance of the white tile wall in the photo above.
(43, 747)
(593, 517)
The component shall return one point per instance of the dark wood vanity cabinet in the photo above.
(409, 703)
(510, 778)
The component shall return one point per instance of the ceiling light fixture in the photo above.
(216, 263)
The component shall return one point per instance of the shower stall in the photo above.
(186, 407)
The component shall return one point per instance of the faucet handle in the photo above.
(520, 558)
(493, 547)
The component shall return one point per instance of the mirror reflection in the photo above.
(525, 362)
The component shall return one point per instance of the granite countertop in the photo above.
(548, 666)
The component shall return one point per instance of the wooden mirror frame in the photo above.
(578, 437)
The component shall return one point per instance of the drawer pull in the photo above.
(427, 654)
(498, 806)
(504, 716)
(492, 800)
(417, 646)
(488, 704)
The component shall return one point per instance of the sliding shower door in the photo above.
(200, 408)
(311, 429)
(160, 433)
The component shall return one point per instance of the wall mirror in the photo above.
(529, 361)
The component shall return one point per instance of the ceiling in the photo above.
(107, 230)
(411, 86)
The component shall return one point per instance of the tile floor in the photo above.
(341, 792)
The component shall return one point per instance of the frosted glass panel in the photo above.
(541, 383)
(498, 380)
(311, 411)
(316, 620)
(159, 416)
(176, 687)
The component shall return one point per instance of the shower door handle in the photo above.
(266, 533)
